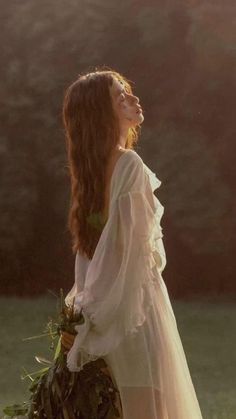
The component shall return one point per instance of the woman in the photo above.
(114, 220)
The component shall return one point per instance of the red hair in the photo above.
(92, 133)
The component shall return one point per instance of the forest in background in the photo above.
(181, 57)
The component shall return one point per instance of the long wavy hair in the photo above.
(92, 133)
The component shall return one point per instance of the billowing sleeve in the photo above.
(118, 286)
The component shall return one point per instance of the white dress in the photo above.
(129, 319)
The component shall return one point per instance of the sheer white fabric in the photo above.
(129, 319)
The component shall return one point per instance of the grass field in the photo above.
(207, 330)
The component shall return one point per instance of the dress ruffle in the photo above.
(155, 255)
(155, 182)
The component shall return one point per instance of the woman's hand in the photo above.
(67, 340)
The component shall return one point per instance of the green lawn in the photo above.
(207, 331)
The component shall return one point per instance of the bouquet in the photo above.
(56, 392)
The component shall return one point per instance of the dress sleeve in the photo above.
(118, 288)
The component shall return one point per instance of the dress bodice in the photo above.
(154, 248)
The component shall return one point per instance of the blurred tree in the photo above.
(182, 60)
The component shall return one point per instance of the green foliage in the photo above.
(57, 393)
(61, 394)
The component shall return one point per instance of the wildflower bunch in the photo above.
(56, 392)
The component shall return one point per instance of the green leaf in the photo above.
(37, 336)
(37, 373)
(16, 409)
(58, 349)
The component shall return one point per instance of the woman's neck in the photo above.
(123, 138)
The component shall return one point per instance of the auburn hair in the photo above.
(92, 133)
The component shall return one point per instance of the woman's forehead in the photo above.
(117, 86)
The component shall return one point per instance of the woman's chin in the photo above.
(134, 121)
(140, 119)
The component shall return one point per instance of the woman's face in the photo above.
(126, 106)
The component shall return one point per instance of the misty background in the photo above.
(181, 57)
